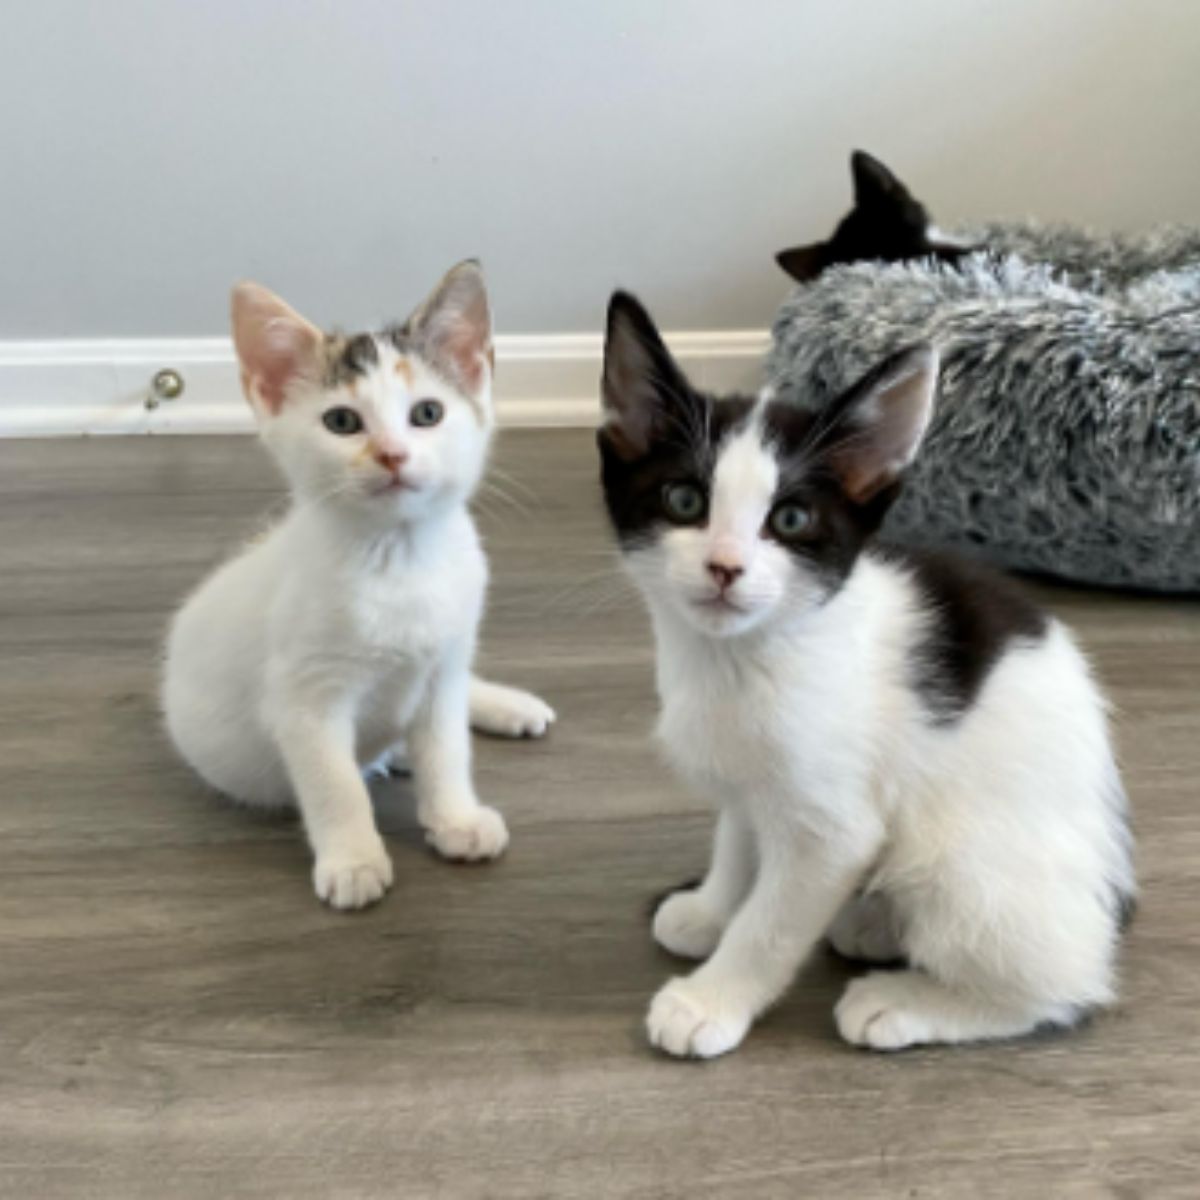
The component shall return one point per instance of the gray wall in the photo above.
(346, 153)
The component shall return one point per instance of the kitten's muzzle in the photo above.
(391, 459)
(725, 572)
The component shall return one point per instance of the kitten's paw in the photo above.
(885, 1011)
(509, 712)
(684, 1022)
(686, 926)
(353, 877)
(475, 835)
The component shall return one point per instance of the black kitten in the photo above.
(887, 224)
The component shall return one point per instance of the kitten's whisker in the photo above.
(514, 482)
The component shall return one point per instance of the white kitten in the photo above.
(906, 755)
(352, 625)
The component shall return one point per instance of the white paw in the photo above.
(883, 1011)
(686, 926)
(350, 876)
(683, 1022)
(509, 712)
(477, 834)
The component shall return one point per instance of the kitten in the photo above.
(905, 754)
(352, 625)
(887, 223)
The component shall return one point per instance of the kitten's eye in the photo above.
(427, 412)
(790, 521)
(342, 421)
(684, 503)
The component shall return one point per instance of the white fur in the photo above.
(987, 849)
(350, 626)
(939, 239)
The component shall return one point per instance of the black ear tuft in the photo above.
(873, 182)
(804, 263)
(640, 379)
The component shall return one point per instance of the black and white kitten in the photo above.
(905, 754)
(887, 224)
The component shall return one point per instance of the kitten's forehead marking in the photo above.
(348, 358)
(745, 477)
(375, 362)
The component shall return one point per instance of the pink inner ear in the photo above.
(454, 327)
(887, 422)
(464, 347)
(285, 353)
(275, 345)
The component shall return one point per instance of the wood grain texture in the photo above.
(180, 1017)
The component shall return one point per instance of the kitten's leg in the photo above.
(456, 824)
(867, 930)
(802, 882)
(888, 1010)
(508, 711)
(352, 867)
(690, 923)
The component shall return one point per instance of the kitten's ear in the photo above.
(275, 345)
(874, 183)
(803, 263)
(876, 428)
(641, 380)
(453, 327)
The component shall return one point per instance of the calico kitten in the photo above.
(353, 623)
(905, 754)
(887, 224)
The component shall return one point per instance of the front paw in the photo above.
(479, 833)
(686, 1022)
(883, 1011)
(685, 925)
(351, 875)
(509, 712)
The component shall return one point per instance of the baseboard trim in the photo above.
(100, 386)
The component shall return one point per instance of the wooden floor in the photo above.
(179, 1016)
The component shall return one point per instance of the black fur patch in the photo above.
(887, 224)
(401, 337)
(976, 615)
(694, 427)
(349, 358)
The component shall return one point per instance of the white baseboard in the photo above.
(100, 386)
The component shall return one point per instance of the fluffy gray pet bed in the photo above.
(1067, 433)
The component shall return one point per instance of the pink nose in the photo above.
(725, 573)
(391, 460)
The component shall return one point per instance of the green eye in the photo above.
(427, 412)
(684, 503)
(342, 421)
(791, 521)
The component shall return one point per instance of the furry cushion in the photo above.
(1067, 434)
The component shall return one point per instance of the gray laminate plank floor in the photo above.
(180, 1017)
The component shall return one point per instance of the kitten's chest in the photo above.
(383, 619)
(411, 617)
(744, 723)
